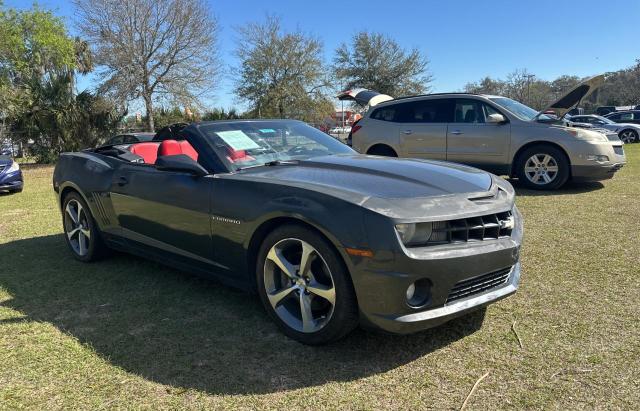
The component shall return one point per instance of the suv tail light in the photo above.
(355, 128)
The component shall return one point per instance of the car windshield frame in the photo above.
(521, 111)
(254, 143)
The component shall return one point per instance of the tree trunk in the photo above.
(148, 103)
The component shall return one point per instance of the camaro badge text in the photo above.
(225, 219)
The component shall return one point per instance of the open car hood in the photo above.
(572, 98)
(364, 97)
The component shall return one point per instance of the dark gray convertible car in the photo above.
(330, 239)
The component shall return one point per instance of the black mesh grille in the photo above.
(486, 227)
(479, 284)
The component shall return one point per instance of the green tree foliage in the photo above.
(38, 64)
(281, 74)
(376, 61)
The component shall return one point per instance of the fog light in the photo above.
(599, 158)
(419, 293)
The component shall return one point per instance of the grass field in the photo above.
(128, 333)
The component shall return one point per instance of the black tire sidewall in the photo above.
(557, 154)
(96, 247)
(383, 151)
(345, 314)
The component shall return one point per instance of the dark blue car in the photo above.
(10, 175)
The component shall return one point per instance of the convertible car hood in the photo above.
(399, 188)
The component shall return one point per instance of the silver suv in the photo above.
(493, 133)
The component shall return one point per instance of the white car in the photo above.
(628, 132)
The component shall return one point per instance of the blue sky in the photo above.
(464, 40)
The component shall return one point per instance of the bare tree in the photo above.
(280, 74)
(377, 62)
(157, 50)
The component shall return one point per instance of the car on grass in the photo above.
(10, 175)
(493, 133)
(627, 132)
(330, 239)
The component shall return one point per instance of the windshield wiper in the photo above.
(271, 164)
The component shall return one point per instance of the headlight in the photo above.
(13, 168)
(414, 234)
(586, 135)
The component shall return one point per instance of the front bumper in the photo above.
(11, 182)
(381, 285)
(585, 169)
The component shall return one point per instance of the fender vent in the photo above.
(101, 211)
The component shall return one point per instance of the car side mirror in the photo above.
(180, 162)
(496, 119)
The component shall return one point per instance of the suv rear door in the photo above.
(423, 127)
(471, 140)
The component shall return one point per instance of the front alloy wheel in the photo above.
(299, 285)
(541, 169)
(629, 136)
(305, 286)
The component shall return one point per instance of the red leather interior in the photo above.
(173, 147)
(148, 151)
(169, 148)
(188, 150)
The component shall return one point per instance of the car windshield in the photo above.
(518, 109)
(605, 120)
(245, 144)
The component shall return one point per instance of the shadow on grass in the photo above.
(183, 331)
(569, 188)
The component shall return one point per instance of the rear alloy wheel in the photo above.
(304, 286)
(543, 168)
(629, 136)
(81, 232)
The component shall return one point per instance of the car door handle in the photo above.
(122, 181)
(457, 132)
(407, 132)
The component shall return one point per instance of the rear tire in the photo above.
(316, 305)
(628, 136)
(382, 150)
(542, 167)
(81, 232)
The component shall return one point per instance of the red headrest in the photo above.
(169, 148)
(188, 150)
(148, 151)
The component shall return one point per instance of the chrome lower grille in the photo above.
(479, 284)
(490, 226)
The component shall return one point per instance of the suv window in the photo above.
(471, 111)
(386, 113)
(425, 111)
(625, 116)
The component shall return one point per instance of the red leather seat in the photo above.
(169, 148)
(173, 147)
(188, 150)
(147, 150)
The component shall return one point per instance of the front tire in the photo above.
(305, 287)
(81, 232)
(542, 167)
(628, 136)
